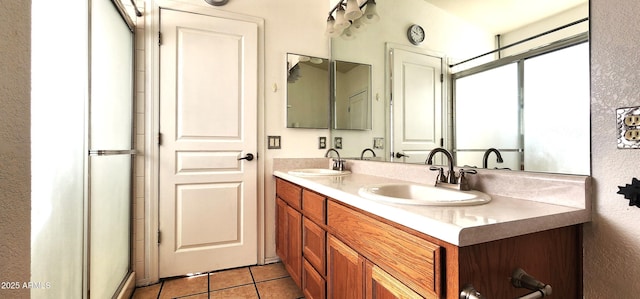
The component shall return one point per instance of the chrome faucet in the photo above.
(486, 156)
(450, 180)
(337, 164)
(367, 150)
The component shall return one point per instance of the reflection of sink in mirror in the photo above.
(415, 194)
(318, 172)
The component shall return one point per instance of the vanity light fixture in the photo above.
(353, 11)
(352, 19)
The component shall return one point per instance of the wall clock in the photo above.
(416, 34)
(217, 2)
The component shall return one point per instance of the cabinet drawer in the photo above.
(314, 206)
(289, 192)
(313, 284)
(314, 245)
(413, 261)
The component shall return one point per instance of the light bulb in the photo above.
(370, 15)
(353, 10)
(330, 26)
(341, 20)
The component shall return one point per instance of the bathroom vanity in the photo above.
(336, 244)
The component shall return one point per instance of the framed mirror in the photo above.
(351, 96)
(308, 100)
(456, 30)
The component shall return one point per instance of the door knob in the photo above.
(248, 157)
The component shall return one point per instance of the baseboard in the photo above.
(129, 286)
(271, 260)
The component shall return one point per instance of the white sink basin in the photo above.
(318, 172)
(415, 194)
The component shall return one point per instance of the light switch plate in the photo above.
(273, 142)
(628, 120)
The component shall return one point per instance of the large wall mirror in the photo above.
(457, 30)
(307, 92)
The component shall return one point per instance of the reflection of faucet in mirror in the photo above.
(486, 156)
(367, 150)
(337, 164)
(450, 175)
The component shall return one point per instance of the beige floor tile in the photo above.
(241, 292)
(180, 287)
(282, 288)
(268, 272)
(230, 278)
(148, 292)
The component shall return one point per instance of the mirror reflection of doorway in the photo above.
(417, 105)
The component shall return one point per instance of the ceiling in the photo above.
(501, 16)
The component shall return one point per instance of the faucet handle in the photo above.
(469, 171)
(441, 177)
(464, 185)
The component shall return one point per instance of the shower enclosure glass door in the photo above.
(110, 144)
(82, 128)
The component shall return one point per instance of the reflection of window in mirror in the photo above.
(534, 109)
(308, 101)
(352, 96)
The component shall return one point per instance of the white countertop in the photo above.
(503, 217)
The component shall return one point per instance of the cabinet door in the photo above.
(345, 271)
(289, 239)
(294, 245)
(313, 285)
(381, 285)
(314, 245)
(282, 231)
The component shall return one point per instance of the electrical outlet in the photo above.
(628, 127)
(632, 135)
(322, 142)
(378, 143)
(632, 120)
(337, 142)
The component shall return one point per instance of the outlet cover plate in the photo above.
(628, 127)
(322, 142)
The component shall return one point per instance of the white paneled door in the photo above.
(417, 105)
(208, 125)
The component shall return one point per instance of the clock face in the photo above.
(415, 34)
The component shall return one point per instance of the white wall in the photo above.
(15, 149)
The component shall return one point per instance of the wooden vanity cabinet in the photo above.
(289, 228)
(333, 250)
(301, 237)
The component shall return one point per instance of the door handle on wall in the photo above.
(248, 157)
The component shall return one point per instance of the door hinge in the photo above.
(159, 138)
(159, 236)
(159, 38)
(441, 141)
(441, 77)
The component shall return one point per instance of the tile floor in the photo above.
(254, 282)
